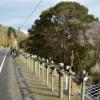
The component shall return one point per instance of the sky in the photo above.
(15, 12)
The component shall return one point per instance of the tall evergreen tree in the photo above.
(56, 33)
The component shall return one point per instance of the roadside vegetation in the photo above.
(61, 31)
(8, 35)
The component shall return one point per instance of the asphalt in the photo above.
(9, 89)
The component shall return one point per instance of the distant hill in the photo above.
(5, 40)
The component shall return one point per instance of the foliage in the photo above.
(11, 31)
(56, 33)
(96, 78)
(83, 58)
(3, 36)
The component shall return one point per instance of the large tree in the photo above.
(58, 28)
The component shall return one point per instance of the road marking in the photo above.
(3, 61)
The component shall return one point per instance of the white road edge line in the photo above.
(3, 61)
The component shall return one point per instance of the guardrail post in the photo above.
(83, 91)
(83, 79)
(52, 81)
(26, 61)
(34, 67)
(52, 67)
(29, 62)
(60, 87)
(47, 77)
(43, 72)
(39, 69)
(46, 66)
(60, 71)
(66, 86)
(69, 87)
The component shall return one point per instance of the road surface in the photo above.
(9, 89)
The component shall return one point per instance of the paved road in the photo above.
(8, 84)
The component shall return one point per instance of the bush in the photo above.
(95, 78)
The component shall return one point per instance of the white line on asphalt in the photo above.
(3, 61)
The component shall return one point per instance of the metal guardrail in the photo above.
(93, 92)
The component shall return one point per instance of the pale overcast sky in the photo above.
(14, 12)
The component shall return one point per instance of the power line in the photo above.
(32, 12)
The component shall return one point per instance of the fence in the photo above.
(61, 75)
(93, 92)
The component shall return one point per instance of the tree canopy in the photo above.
(55, 34)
